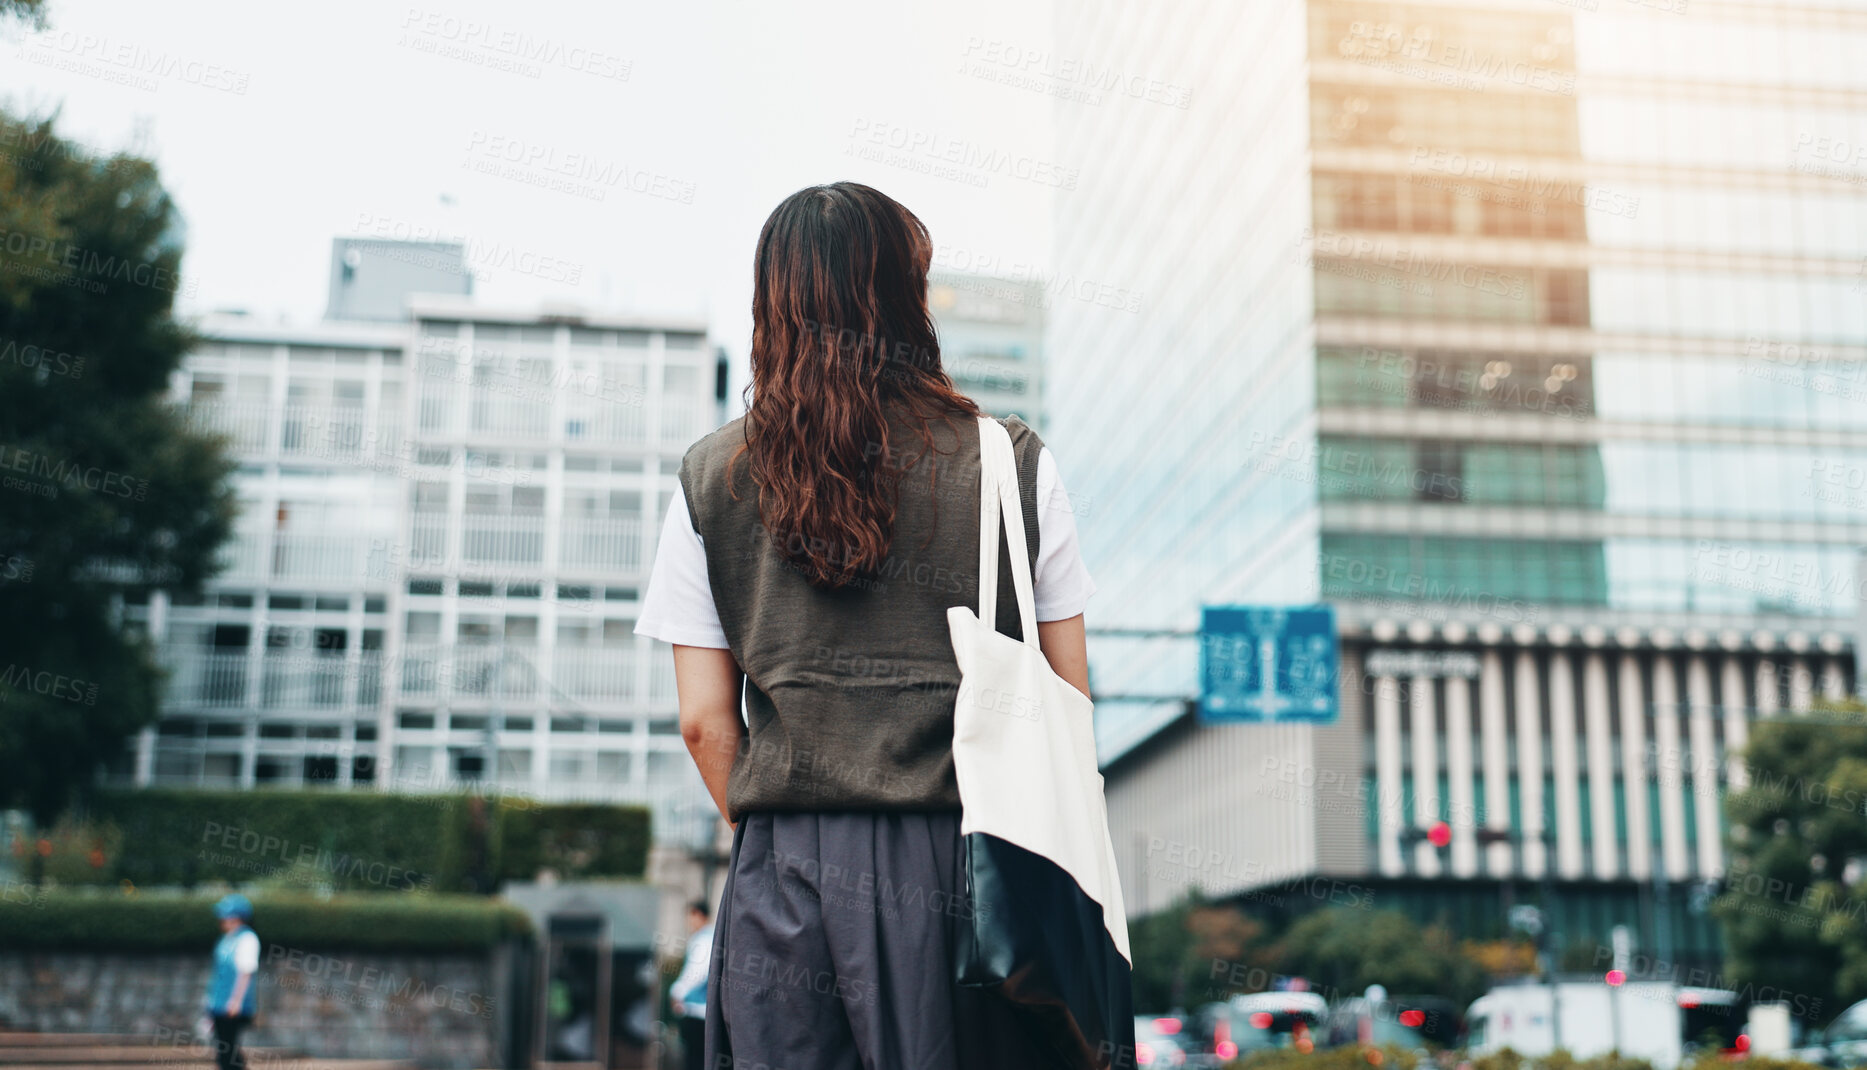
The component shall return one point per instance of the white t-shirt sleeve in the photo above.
(1061, 580)
(246, 952)
(678, 605)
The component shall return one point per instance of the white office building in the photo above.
(446, 526)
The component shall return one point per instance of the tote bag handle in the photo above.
(998, 498)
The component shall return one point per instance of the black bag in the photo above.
(1047, 927)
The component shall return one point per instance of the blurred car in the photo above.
(1411, 1023)
(1841, 1044)
(1157, 1044)
(1261, 1021)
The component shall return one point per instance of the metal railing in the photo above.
(595, 673)
(495, 539)
(247, 424)
(318, 555)
(207, 680)
(509, 417)
(607, 424)
(246, 557)
(680, 420)
(442, 671)
(303, 679)
(612, 543)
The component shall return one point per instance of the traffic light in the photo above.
(1439, 834)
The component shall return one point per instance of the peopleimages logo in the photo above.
(88, 267)
(968, 155)
(69, 474)
(48, 684)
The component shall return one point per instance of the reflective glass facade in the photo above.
(1578, 316)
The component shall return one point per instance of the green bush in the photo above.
(111, 921)
(1350, 1057)
(356, 840)
(351, 841)
(1557, 1060)
(577, 841)
(74, 852)
(1711, 1060)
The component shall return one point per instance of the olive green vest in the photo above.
(849, 693)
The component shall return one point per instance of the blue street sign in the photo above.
(1268, 663)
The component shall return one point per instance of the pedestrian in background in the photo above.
(689, 991)
(230, 997)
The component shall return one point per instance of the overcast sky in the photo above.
(676, 127)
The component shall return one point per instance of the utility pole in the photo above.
(1538, 921)
(1860, 629)
(1549, 929)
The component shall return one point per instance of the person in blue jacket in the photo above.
(230, 997)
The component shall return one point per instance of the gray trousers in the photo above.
(833, 951)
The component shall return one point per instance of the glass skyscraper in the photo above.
(1533, 336)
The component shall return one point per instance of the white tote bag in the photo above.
(1047, 926)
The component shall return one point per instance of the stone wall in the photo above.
(447, 1012)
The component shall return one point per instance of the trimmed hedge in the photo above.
(575, 840)
(75, 921)
(358, 840)
(1347, 1057)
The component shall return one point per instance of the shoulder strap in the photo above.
(998, 500)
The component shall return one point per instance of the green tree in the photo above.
(1790, 918)
(31, 12)
(1346, 950)
(105, 493)
(1190, 953)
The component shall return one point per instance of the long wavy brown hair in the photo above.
(840, 335)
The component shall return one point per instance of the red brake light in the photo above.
(1440, 834)
(1169, 1026)
(1261, 1020)
(1413, 1019)
(1144, 1055)
(1616, 978)
(1225, 1049)
(1688, 1002)
(1743, 1042)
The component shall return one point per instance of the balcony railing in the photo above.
(437, 405)
(248, 425)
(595, 673)
(427, 536)
(611, 544)
(300, 679)
(244, 557)
(207, 680)
(680, 420)
(660, 678)
(324, 431)
(620, 423)
(492, 539)
(313, 432)
(318, 556)
(521, 674)
(510, 417)
(425, 670)
(255, 556)
(493, 671)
